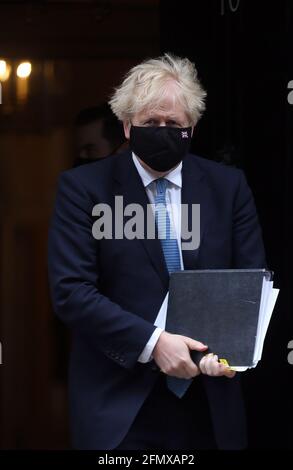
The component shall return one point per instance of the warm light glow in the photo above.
(2, 67)
(5, 70)
(24, 70)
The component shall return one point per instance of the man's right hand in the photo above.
(172, 355)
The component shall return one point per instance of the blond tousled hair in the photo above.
(144, 87)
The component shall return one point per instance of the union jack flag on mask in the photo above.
(184, 135)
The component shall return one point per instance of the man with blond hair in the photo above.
(133, 385)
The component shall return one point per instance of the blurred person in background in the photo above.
(98, 134)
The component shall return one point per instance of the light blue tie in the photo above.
(171, 252)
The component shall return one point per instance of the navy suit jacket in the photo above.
(109, 292)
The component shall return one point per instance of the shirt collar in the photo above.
(174, 176)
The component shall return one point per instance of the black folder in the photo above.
(220, 308)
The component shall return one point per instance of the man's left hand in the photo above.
(210, 365)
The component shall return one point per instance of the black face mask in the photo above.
(161, 148)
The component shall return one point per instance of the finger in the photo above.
(202, 364)
(191, 369)
(226, 371)
(215, 368)
(211, 365)
(188, 372)
(193, 344)
(229, 373)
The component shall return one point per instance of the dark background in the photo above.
(79, 51)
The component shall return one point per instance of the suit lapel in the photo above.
(131, 188)
(194, 191)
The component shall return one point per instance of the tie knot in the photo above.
(161, 185)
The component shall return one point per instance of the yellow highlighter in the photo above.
(224, 361)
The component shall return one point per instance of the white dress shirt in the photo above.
(173, 199)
